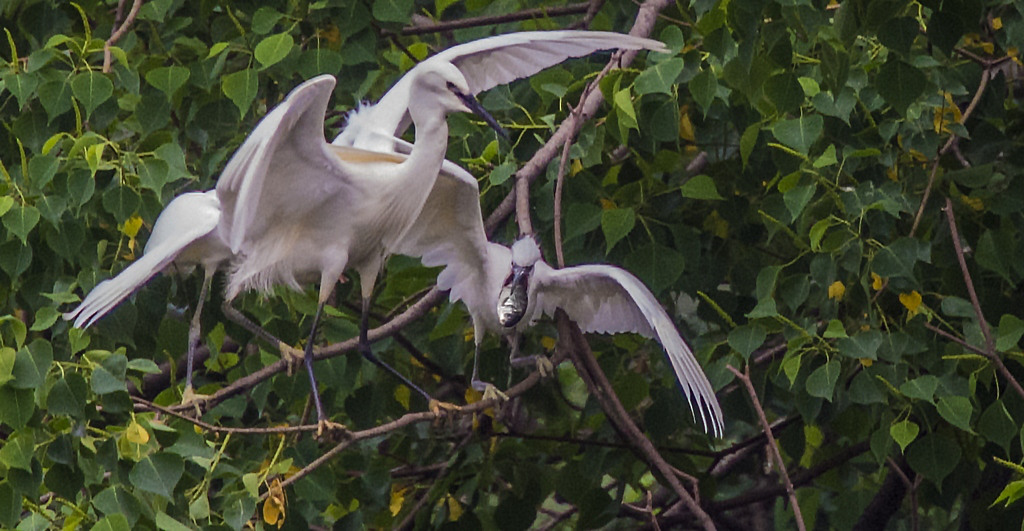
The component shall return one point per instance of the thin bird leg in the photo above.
(543, 364)
(487, 388)
(308, 358)
(193, 337)
(290, 354)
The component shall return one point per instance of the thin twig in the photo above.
(523, 206)
(472, 22)
(558, 203)
(118, 33)
(911, 490)
(570, 335)
(990, 344)
(773, 449)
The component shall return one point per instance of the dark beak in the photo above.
(513, 298)
(479, 110)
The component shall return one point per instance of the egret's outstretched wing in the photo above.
(289, 144)
(607, 299)
(485, 63)
(187, 219)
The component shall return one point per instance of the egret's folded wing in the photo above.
(607, 299)
(485, 63)
(282, 168)
(184, 221)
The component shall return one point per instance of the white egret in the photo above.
(506, 290)
(293, 210)
(485, 63)
(183, 236)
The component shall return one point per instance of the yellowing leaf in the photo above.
(454, 509)
(473, 396)
(402, 396)
(331, 34)
(274, 506)
(136, 433)
(876, 281)
(469, 334)
(836, 290)
(866, 362)
(607, 204)
(547, 342)
(577, 167)
(893, 173)
(947, 114)
(716, 225)
(686, 129)
(397, 498)
(975, 203)
(911, 301)
(997, 23)
(131, 226)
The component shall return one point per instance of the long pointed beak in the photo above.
(471, 102)
(513, 298)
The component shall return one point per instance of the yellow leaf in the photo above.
(975, 203)
(866, 362)
(947, 114)
(131, 226)
(686, 130)
(893, 173)
(606, 204)
(472, 395)
(454, 509)
(577, 167)
(331, 34)
(397, 498)
(716, 225)
(997, 23)
(911, 301)
(274, 506)
(402, 396)
(876, 281)
(836, 290)
(469, 334)
(547, 342)
(136, 433)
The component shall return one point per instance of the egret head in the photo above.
(445, 83)
(513, 299)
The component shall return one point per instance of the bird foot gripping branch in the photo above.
(437, 407)
(189, 397)
(291, 355)
(329, 427)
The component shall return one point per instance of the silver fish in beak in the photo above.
(513, 297)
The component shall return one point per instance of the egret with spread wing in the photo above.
(184, 236)
(508, 289)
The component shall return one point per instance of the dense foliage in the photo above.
(780, 181)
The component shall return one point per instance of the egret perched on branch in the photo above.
(293, 209)
(506, 290)
(184, 236)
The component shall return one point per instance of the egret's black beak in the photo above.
(479, 110)
(513, 298)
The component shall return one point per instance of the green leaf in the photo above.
(797, 197)
(748, 140)
(16, 406)
(957, 411)
(747, 338)
(864, 389)
(1012, 492)
(92, 89)
(41, 170)
(240, 87)
(700, 187)
(112, 522)
(273, 49)
(921, 388)
(616, 224)
(656, 265)
(502, 172)
(898, 33)
(392, 10)
(904, 433)
(1011, 328)
(45, 317)
(799, 133)
(703, 87)
(623, 101)
(997, 425)
(822, 382)
(153, 174)
(660, 77)
(165, 522)
(264, 19)
(785, 92)
(934, 456)
(6, 202)
(835, 330)
(68, 396)
(898, 258)
(17, 451)
(55, 97)
(121, 201)
(581, 218)
(22, 85)
(31, 364)
(900, 84)
(144, 366)
(168, 79)
(20, 220)
(157, 473)
(863, 345)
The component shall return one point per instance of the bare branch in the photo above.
(119, 32)
(471, 22)
(773, 449)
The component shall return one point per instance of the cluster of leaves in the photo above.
(803, 247)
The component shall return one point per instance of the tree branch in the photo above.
(430, 26)
(119, 32)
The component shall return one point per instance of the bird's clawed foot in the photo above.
(490, 392)
(330, 427)
(544, 366)
(438, 407)
(291, 355)
(189, 397)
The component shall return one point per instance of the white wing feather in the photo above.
(288, 141)
(485, 63)
(185, 221)
(606, 299)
